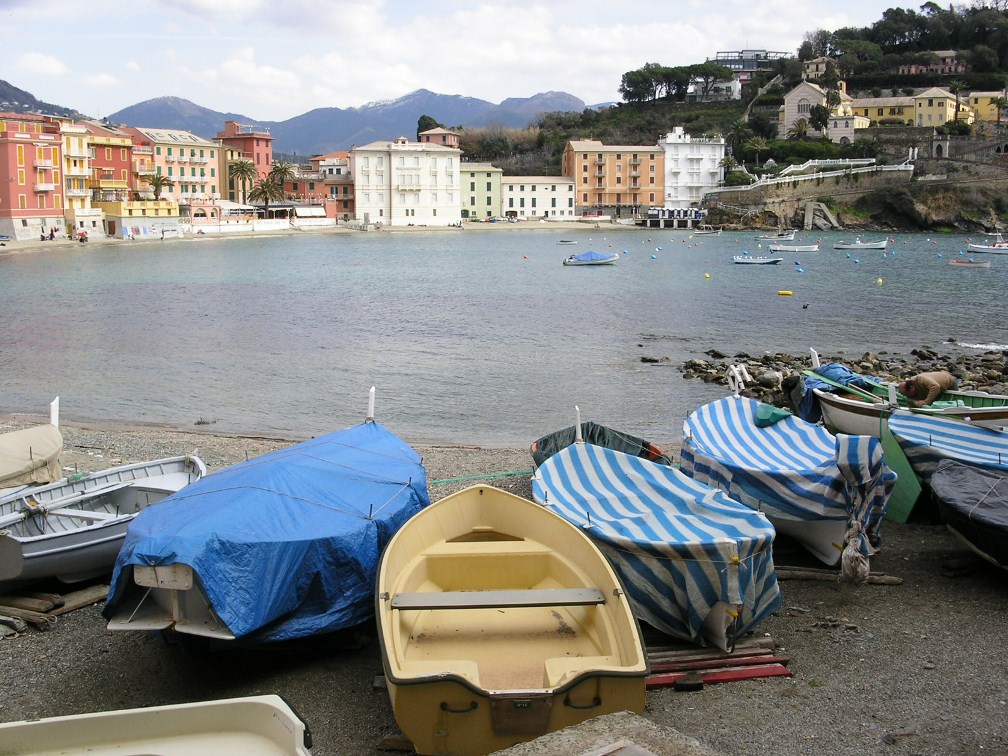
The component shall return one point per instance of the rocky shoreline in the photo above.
(985, 371)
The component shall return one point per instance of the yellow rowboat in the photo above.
(500, 621)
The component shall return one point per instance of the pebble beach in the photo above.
(914, 668)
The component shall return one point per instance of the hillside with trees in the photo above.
(656, 97)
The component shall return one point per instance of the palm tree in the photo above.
(737, 133)
(243, 171)
(281, 173)
(757, 145)
(158, 183)
(266, 190)
(955, 87)
(1001, 104)
(798, 130)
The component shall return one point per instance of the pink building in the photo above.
(31, 197)
(254, 144)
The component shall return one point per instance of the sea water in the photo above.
(469, 336)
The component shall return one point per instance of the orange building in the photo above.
(622, 180)
(31, 196)
(251, 142)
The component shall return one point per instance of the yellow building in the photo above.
(619, 179)
(935, 107)
(984, 107)
(885, 111)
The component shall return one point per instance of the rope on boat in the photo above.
(480, 477)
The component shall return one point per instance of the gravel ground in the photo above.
(918, 668)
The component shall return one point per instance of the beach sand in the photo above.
(916, 668)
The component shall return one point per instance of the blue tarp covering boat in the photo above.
(591, 257)
(282, 546)
(825, 491)
(928, 439)
(695, 563)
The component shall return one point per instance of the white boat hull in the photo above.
(252, 726)
(862, 418)
(72, 531)
(793, 247)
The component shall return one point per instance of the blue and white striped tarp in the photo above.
(810, 484)
(690, 557)
(928, 439)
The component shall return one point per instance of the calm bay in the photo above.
(478, 336)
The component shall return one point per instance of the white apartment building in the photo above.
(403, 183)
(692, 166)
(527, 197)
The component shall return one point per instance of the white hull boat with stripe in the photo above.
(828, 492)
(696, 564)
(73, 530)
(928, 439)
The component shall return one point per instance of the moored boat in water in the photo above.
(996, 245)
(499, 621)
(591, 257)
(859, 244)
(755, 260)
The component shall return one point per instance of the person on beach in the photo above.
(924, 388)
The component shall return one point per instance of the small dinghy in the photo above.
(600, 435)
(973, 502)
(697, 564)
(251, 726)
(500, 621)
(827, 492)
(72, 530)
(591, 257)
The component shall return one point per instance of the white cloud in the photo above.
(41, 64)
(101, 80)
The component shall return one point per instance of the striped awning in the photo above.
(683, 550)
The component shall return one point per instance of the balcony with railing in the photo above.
(72, 128)
(43, 163)
(76, 152)
(142, 149)
(76, 192)
(45, 186)
(77, 170)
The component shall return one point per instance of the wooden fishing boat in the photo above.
(973, 504)
(280, 547)
(253, 726)
(997, 245)
(591, 257)
(598, 434)
(31, 456)
(827, 492)
(697, 564)
(72, 530)
(793, 247)
(706, 231)
(750, 260)
(859, 244)
(928, 439)
(779, 236)
(971, 263)
(499, 621)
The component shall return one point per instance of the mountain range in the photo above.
(326, 129)
(323, 129)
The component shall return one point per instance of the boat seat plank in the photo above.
(82, 515)
(498, 599)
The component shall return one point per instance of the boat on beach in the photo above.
(253, 726)
(754, 260)
(973, 505)
(928, 439)
(31, 456)
(696, 564)
(827, 492)
(499, 621)
(859, 244)
(281, 546)
(591, 257)
(600, 435)
(793, 247)
(72, 530)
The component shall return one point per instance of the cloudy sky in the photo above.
(272, 60)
